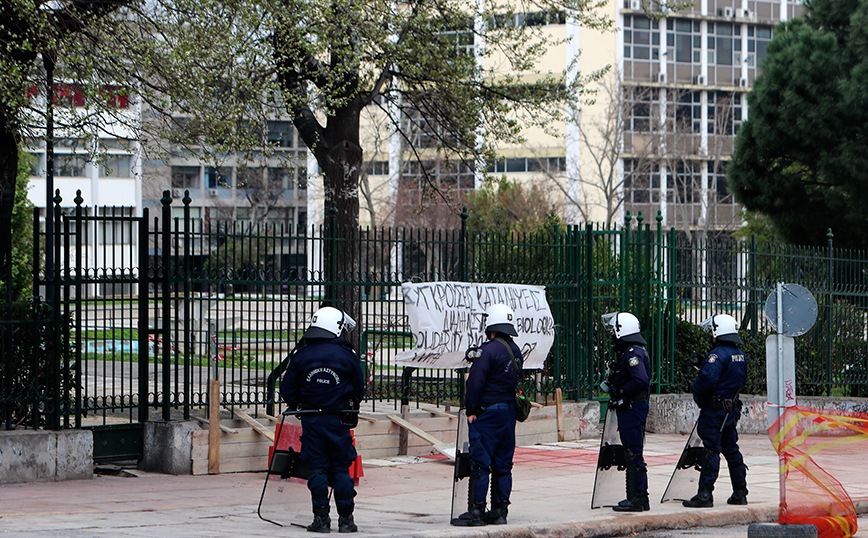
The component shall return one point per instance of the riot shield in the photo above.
(285, 498)
(609, 482)
(461, 476)
(684, 482)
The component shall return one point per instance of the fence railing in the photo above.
(156, 307)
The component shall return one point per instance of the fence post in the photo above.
(830, 285)
(53, 292)
(462, 246)
(590, 320)
(187, 314)
(332, 242)
(754, 284)
(144, 310)
(166, 344)
(79, 270)
(625, 259)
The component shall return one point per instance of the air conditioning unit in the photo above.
(636, 5)
(727, 12)
(661, 77)
(699, 80)
(212, 192)
(177, 193)
(742, 82)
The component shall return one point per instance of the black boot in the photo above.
(471, 518)
(703, 499)
(739, 496)
(637, 503)
(346, 524)
(320, 524)
(497, 514)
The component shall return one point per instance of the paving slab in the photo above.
(403, 497)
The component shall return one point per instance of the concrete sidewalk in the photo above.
(401, 497)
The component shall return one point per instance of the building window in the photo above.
(218, 177)
(281, 134)
(721, 44)
(642, 106)
(302, 220)
(69, 165)
(551, 165)
(641, 38)
(683, 41)
(115, 231)
(37, 165)
(185, 177)
(757, 42)
(641, 184)
(718, 186)
(724, 113)
(116, 166)
(378, 168)
(688, 112)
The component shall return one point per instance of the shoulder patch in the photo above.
(634, 361)
(712, 358)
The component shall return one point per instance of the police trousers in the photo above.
(492, 446)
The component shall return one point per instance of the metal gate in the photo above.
(98, 295)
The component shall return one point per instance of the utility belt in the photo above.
(719, 403)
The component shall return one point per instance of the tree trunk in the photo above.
(8, 173)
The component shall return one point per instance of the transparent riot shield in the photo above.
(609, 482)
(285, 499)
(684, 482)
(461, 476)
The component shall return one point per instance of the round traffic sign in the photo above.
(798, 312)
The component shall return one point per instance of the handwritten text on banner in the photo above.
(447, 317)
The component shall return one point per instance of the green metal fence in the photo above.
(163, 304)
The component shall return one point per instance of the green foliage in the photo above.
(691, 340)
(33, 370)
(757, 225)
(804, 150)
(513, 229)
(22, 234)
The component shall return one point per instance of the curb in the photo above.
(614, 526)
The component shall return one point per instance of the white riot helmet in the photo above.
(624, 327)
(500, 318)
(328, 322)
(723, 327)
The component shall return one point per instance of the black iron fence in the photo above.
(145, 310)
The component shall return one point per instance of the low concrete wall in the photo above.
(45, 456)
(676, 413)
(169, 447)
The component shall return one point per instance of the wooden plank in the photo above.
(255, 424)
(559, 406)
(414, 430)
(234, 450)
(366, 417)
(403, 433)
(214, 427)
(224, 429)
(435, 411)
(244, 435)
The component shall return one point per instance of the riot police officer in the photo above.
(324, 374)
(490, 405)
(715, 391)
(629, 386)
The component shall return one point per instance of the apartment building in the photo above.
(660, 131)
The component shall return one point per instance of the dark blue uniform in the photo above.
(716, 390)
(490, 394)
(629, 388)
(324, 374)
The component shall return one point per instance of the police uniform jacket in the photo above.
(323, 373)
(492, 377)
(722, 375)
(631, 376)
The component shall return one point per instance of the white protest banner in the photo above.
(446, 318)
